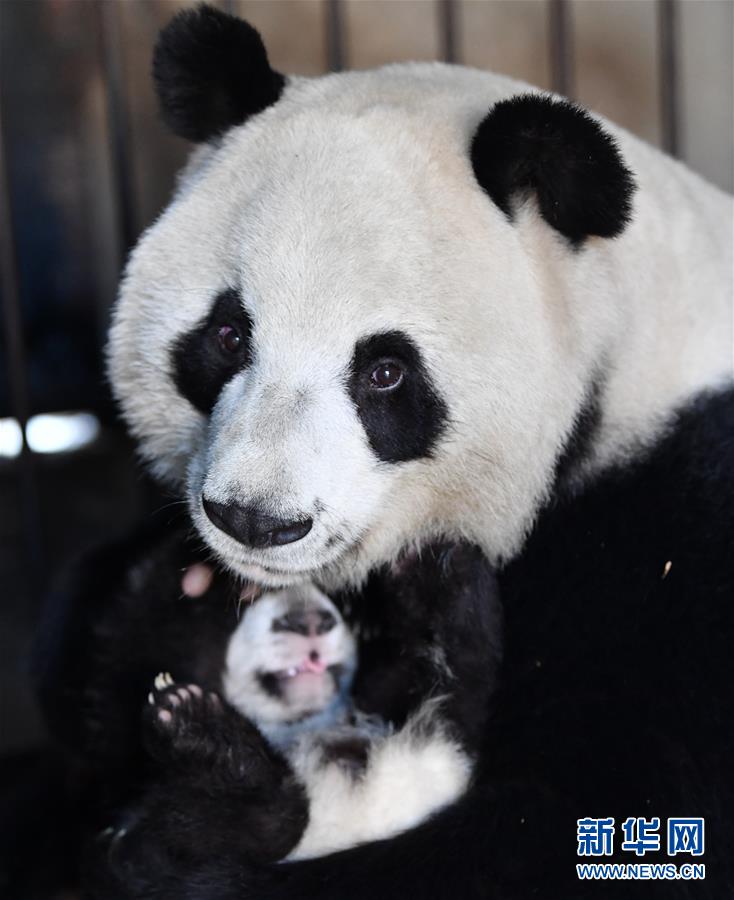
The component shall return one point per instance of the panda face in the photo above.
(302, 448)
(340, 345)
(317, 387)
(291, 656)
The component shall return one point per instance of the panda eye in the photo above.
(386, 377)
(229, 339)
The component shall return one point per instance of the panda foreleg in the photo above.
(218, 787)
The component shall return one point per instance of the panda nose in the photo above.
(253, 528)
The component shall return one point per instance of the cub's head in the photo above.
(347, 332)
(291, 657)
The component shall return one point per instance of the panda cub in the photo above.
(289, 669)
(268, 740)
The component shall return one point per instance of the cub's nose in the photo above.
(308, 622)
(253, 528)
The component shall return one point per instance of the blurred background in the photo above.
(85, 165)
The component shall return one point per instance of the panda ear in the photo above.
(552, 148)
(211, 72)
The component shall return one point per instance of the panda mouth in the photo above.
(306, 673)
(271, 576)
(265, 574)
(307, 667)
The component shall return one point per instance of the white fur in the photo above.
(350, 207)
(410, 775)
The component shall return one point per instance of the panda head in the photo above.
(291, 657)
(350, 330)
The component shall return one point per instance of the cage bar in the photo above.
(118, 125)
(669, 102)
(335, 55)
(561, 48)
(448, 30)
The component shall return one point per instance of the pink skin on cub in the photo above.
(197, 580)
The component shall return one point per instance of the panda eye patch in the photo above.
(205, 358)
(229, 339)
(402, 413)
(387, 376)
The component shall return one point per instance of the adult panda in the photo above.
(428, 302)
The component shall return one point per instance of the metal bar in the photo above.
(668, 75)
(17, 363)
(561, 47)
(12, 315)
(119, 132)
(449, 30)
(335, 54)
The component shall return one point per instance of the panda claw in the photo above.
(162, 681)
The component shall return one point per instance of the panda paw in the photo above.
(177, 706)
(187, 727)
(180, 707)
(178, 719)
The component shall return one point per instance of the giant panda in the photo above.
(427, 302)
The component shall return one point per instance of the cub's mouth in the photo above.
(305, 688)
(307, 667)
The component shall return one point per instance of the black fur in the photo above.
(615, 698)
(201, 367)
(558, 152)
(39, 825)
(351, 753)
(211, 72)
(443, 600)
(218, 788)
(89, 693)
(270, 684)
(407, 422)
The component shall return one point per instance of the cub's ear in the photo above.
(211, 72)
(552, 148)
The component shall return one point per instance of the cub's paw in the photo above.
(189, 728)
(180, 723)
